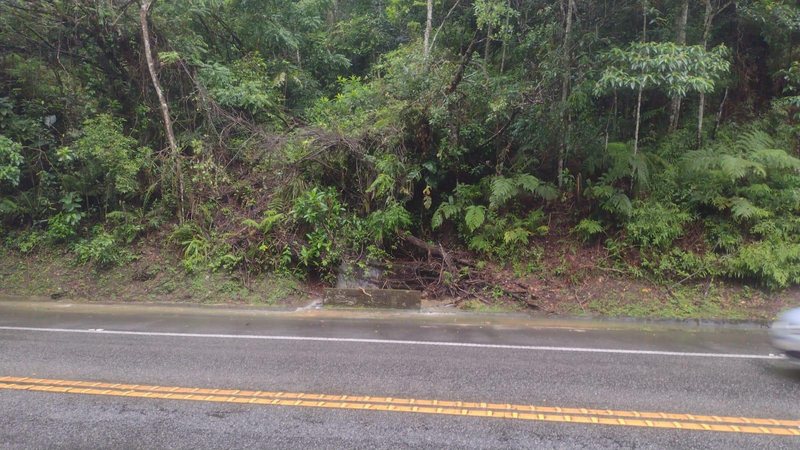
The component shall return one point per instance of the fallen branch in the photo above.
(438, 251)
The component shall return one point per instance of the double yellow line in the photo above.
(420, 406)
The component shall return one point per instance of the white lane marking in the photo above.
(396, 342)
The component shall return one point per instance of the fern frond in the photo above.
(475, 217)
(502, 190)
(437, 220)
(619, 155)
(250, 223)
(449, 210)
(640, 170)
(527, 182)
(547, 192)
(535, 186)
(775, 159)
(479, 243)
(8, 207)
(600, 191)
(743, 209)
(619, 203)
(736, 167)
(516, 236)
(445, 211)
(700, 161)
(753, 141)
(588, 228)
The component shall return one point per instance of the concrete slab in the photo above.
(373, 298)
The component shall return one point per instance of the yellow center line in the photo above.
(441, 407)
(416, 402)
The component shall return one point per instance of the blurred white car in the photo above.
(785, 334)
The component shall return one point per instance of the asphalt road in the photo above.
(523, 383)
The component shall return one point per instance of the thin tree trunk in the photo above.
(639, 98)
(683, 19)
(486, 50)
(708, 18)
(162, 102)
(700, 116)
(565, 87)
(611, 115)
(441, 25)
(680, 39)
(719, 115)
(641, 88)
(505, 45)
(426, 43)
(644, 20)
(465, 59)
(638, 120)
(503, 57)
(333, 13)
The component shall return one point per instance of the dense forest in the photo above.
(441, 141)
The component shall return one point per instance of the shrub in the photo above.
(10, 161)
(204, 251)
(655, 225)
(105, 162)
(587, 229)
(774, 264)
(64, 225)
(102, 250)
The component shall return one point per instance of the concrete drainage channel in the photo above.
(373, 298)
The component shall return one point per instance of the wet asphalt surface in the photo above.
(750, 387)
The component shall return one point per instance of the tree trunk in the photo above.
(644, 20)
(700, 116)
(459, 75)
(486, 49)
(162, 102)
(638, 120)
(426, 43)
(680, 39)
(504, 46)
(718, 120)
(708, 18)
(566, 67)
(441, 24)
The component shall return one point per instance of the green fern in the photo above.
(382, 185)
(271, 218)
(776, 265)
(619, 203)
(737, 167)
(775, 159)
(8, 207)
(475, 217)
(546, 191)
(611, 199)
(527, 182)
(437, 220)
(589, 228)
(753, 140)
(480, 243)
(445, 211)
(502, 190)
(516, 236)
(640, 169)
(743, 209)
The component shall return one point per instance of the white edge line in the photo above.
(395, 342)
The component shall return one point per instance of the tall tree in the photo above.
(642, 84)
(712, 8)
(144, 12)
(566, 67)
(680, 39)
(426, 43)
